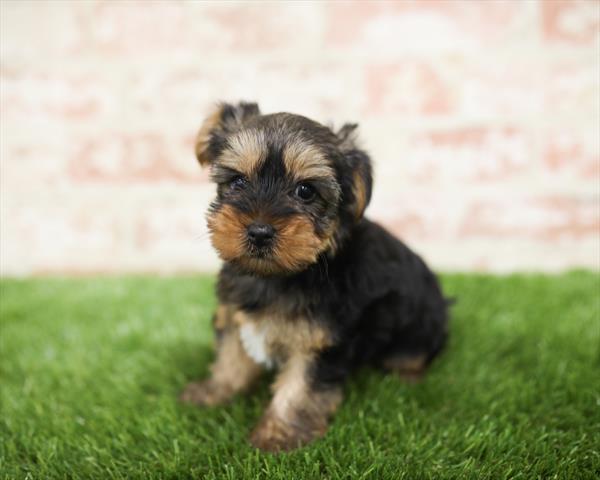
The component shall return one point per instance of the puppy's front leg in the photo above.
(232, 372)
(299, 412)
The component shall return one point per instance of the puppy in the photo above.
(308, 286)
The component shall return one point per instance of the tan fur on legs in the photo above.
(409, 369)
(232, 372)
(297, 413)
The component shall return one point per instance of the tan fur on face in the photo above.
(246, 152)
(228, 232)
(203, 137)
(304, 161)
(296, 244)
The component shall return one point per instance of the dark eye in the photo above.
(238, 183)
(305, 192)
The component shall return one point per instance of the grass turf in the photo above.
(91, 368)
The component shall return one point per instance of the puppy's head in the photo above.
(288, 188)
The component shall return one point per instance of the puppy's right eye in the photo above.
(238, 183)
(305, 192)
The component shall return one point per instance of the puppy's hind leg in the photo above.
(409, 368)
(408, 338)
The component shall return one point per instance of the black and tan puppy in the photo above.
(309, 286)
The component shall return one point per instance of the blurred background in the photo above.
(482, 117)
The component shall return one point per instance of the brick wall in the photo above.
(482, 118)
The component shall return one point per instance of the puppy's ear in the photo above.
(359, 176)
(225, 119)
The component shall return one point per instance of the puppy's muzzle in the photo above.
(260, 235)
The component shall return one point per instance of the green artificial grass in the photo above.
(91, 370)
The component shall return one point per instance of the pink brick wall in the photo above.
(482, 117)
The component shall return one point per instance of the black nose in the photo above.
(261, 234)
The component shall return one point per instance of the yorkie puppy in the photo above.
(308, 286)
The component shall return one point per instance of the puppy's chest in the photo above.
(269, 338)
(254, 341)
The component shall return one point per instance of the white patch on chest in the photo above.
(253, 339)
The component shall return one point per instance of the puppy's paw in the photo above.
(206, 393)
(408, 368)
(273, 434)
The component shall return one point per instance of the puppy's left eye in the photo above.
(305, 192)
(238, 182)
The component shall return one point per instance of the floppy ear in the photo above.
(360, 176)
(225, 119)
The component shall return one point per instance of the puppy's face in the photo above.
(287, 188)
